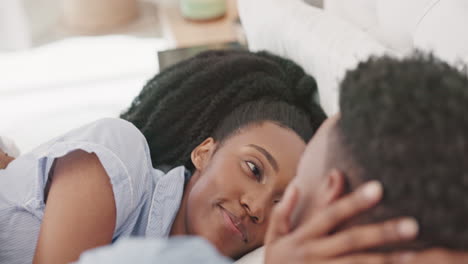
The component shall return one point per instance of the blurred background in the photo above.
(67, 62)
(64, 63)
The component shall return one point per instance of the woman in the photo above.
(230, 126)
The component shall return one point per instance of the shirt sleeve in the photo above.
(122, 151)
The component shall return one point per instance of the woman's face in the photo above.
(235, 186)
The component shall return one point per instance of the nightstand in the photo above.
(186, 33)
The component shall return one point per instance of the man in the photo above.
(404, 124)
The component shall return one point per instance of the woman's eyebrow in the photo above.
(267, 155)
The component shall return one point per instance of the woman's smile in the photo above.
(233, 224)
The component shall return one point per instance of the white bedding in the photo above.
(52, 89)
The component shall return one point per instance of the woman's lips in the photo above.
(234, 224)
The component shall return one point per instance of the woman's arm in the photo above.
(80, 211)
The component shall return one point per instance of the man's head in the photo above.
(404, 123)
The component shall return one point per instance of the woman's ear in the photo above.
(333, 186)
(202, 153)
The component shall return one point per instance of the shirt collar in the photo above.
(165, 204)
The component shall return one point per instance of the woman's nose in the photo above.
(256, 208)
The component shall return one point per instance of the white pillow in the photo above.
(443, 29)
(323, 44)
(254, 257)
(431, 25)
(362, 13)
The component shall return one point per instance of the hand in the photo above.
(437, 256)
(312, 242)
(5, 160)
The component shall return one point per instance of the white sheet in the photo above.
(52, 89)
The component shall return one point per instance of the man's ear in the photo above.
(202, 153)
(333, 187)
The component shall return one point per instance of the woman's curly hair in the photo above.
(215, 94)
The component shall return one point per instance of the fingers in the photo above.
(5, 160)
(389, 258)
(437, 256)
(327, 220)
(280, 217)
(367, 237)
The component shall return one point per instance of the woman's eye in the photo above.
(255, 170)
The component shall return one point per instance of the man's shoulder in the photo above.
(176, 250)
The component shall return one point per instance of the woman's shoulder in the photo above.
(116, 124)
(120, 147)
(116, 136)
(124, 154)
(107, 128)
(115, 141)
(122, 151)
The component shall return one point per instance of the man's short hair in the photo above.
(404, 122)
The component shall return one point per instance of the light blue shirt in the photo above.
(147, 200)
(177, 250)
